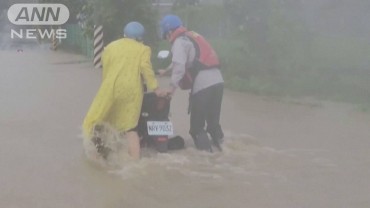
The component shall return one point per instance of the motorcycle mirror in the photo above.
(163, 54)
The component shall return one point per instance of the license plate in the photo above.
(160, 128)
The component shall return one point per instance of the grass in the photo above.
(338, 70)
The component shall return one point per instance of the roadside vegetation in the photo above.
(272, 47)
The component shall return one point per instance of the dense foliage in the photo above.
(278, 47)
(115, 14)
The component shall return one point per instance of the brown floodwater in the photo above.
(277, 153)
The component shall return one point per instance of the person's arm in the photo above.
(179, 59)
(147, 70)
(178, 72)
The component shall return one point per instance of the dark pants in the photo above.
(206, 108)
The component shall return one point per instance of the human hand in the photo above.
(171, 91)
(161, 92)
(162, 72)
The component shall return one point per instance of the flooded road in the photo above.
(277, 153)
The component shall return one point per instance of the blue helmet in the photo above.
(169, 23)
(134, 30)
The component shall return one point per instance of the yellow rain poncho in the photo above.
(126, 64)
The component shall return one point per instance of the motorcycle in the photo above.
(154, 126)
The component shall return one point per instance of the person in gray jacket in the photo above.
(195, 66)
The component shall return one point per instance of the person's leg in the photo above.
(213, 113)
(197, 113)
(197, 120)
(133, 144)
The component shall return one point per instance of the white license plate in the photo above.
(160, 128)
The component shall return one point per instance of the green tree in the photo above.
(115, 14)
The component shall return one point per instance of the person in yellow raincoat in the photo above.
(126, 67)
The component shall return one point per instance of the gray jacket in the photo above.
(183, 56)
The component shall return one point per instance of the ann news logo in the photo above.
(35, 20)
